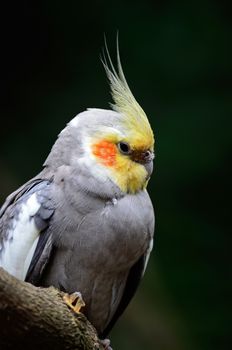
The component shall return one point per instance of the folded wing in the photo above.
(24, 219)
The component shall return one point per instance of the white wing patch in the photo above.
(21, 242)
(148, 255)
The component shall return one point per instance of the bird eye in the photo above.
(124, 148)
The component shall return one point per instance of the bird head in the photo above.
(122, 143)
(113, 145)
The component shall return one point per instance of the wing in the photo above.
(24, 219)
(133, 280)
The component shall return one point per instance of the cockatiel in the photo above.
(86, 222)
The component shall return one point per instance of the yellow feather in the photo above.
(125, 103)
(129, 176)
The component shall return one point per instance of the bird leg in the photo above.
(74, 301)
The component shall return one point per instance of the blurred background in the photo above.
(177, 59)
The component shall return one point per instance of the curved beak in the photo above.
(149, 168)
(145, 158)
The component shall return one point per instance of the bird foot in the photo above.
(106, 344)
(74, 301)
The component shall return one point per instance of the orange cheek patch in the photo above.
(106, 152)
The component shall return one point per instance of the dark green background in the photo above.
(177, 60)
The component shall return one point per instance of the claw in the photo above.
(106, 344)
(74, 301)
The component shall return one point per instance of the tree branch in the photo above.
(37, 318)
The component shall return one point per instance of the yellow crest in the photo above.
(124, 101)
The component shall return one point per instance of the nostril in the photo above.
(147, 154)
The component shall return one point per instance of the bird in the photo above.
(86, 222)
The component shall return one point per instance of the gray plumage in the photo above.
(92, 236)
